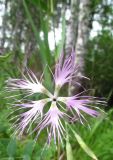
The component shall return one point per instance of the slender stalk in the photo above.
(68, 145)
(58, 150)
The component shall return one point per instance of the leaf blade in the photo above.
(84, 145)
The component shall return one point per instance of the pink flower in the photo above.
(52, 119)
(25, 119)
(50, 112)
(31, 85)
(80, 105)
(65, 69)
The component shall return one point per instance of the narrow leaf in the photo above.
(69, 151)
(44, 48)
(84, 145)
(36, 33)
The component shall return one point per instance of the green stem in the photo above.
(68, 145)
(58, 151)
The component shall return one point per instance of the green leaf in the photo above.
(84, 145)
(11, 148)
(29, 149)
(44, 49)
(61, 42)
(36, 33)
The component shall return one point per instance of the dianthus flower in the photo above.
(51, 112)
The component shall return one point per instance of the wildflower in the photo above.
(52, 118)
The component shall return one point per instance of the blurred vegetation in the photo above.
(99, 63)
(25, 26)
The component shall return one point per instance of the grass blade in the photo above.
(61, 42)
